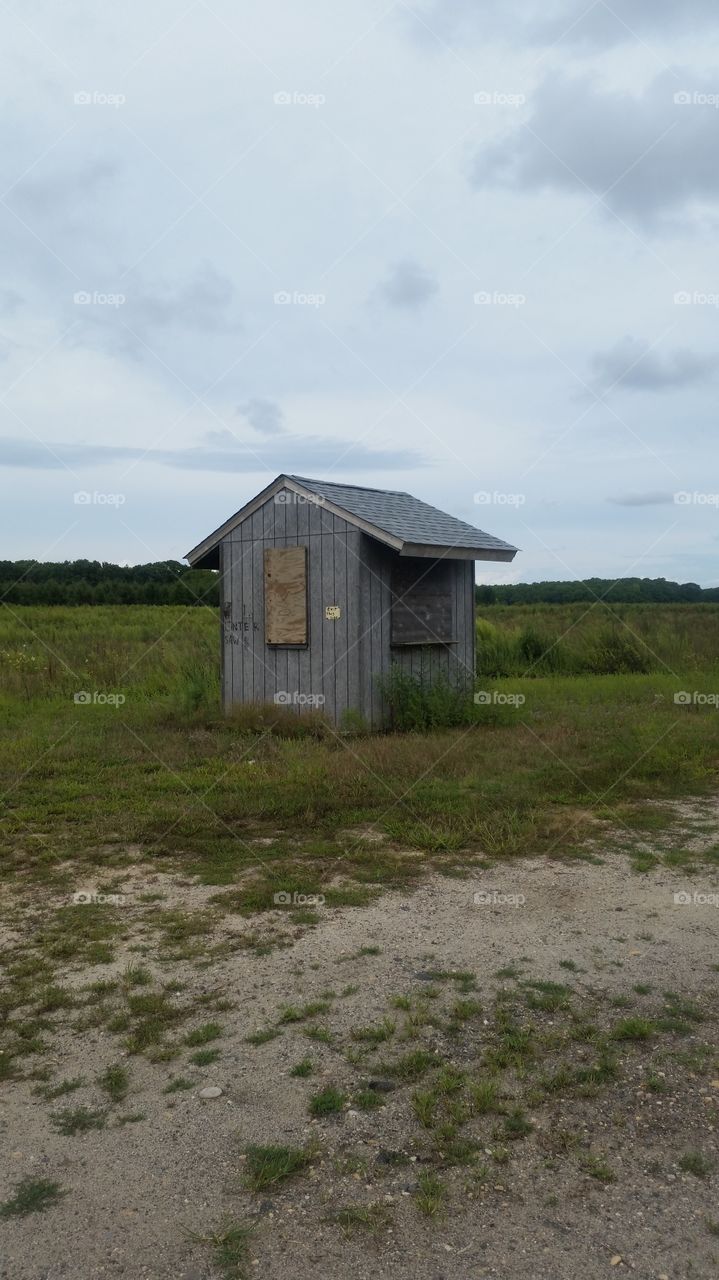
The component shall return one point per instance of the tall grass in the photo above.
(171, 656)
(598, 639)
(167, 657)
(167, 771)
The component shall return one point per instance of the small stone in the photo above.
(212, 1091)
(381, 1086)
(615, 1261)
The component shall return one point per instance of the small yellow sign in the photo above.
(332, 612)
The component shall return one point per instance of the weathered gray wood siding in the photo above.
(344, 657)
(455, 662)
(328, 666)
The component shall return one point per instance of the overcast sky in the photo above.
(467, 250)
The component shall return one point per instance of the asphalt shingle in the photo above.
(405, 517)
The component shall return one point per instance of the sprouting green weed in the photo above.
(32, 1195)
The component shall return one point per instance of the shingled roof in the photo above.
(405, 517)
(407, 524)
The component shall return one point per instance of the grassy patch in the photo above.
(633, 1029)
(115, 1081)
(32, 1195)
(362, 1217)
(375, 1035)
(303, 1069)
(516, 1124)
(51, 1092)
(485, 1095)
(326, 1102)
(178, 1085)
(607, 727)
(150, 1014)
(597, 1168)
(267, 1166)
(697, 1163)
(322, 1034)
(204, 1057)
(204, 1034)
(230, 1246)
(431, 1194)
(368, 1099)
(411, 1066)
(263, 1036)
(73, 1120)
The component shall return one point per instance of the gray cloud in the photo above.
(630, 363)
(648, 156)
(657, 499)
(408, 286)
(10, 302)
(291, 455)
(202, 302)
(570, 23)
(264, 415)
(601, 25)
(297, 199)
(62, 190)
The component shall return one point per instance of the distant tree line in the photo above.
(621, 591)
(172, 582)
(97, 582)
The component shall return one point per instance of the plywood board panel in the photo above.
(285, 595)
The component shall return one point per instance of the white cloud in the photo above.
(199, 199)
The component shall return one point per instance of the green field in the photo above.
(578, 639)
(166, 772)
(197, 949)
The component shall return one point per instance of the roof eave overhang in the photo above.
(458, 553)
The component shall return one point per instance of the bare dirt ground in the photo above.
(584, 992)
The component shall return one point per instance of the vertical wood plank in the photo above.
(316, 542)
(339, 626)
(328, 636)
(288, 661)
(355, 610)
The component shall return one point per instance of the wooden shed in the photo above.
(324, 586)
